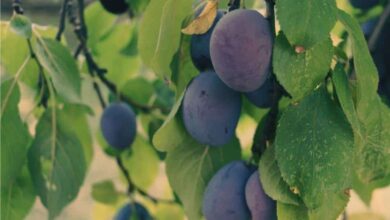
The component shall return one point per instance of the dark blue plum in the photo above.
(364, 4)
(241, 48)
(224, 197)
(210, 110)
(200, 47)
(115, 6)
(262, 97)
(126, 212)
(118, 125)
(260, 204)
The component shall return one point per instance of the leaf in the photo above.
(314, 144)
(17, 197)
(344, 96)
(56, 162)
(159, 35)
(291, 212)
(139, 89)
(172, 128)
(15, 137)
(365, 190)
(190, 167)
(272, 181)
(297, 19)
(14, 50)
(183, 69)
(204, 21)
(105, 192)
(142, 162)
(169, 211)
(75, 121)
(333, 206)
(21, 25)
(99, 23)
(61, 67)
(373, 142)
(120, 67)
(301, 73)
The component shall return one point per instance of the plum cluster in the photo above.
(127, 212)
(233, 57)
(235, 192)
(118, 125)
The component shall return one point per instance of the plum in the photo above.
(210, 110)
(240, 49)
(126, 212)
(118, 125)
(200, 47)
(260, 205)
(364, 4)
(262, 97)
(115, 6)
(368, 27)
(224, 197)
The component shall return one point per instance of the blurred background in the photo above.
(103, 167)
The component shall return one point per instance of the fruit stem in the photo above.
(61, 26)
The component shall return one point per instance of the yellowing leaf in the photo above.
(203, 22)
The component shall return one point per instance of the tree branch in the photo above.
(233, 5)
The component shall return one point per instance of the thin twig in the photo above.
(61, 25)
(233, 5)
(374, 39)
(130, 184)
(154, 199)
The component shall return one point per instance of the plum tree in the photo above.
(115, 6)
(126, 212)
(200, 47)
(118, 125)
(224, 197)
(364, 4)
(260, 205)
(241, 54)
(262, 97)
(210, 110)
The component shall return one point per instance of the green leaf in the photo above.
(169, 211)
(139, 89)
(17, 196)
(272, 181)
(291, 212)
(142, 162)
(105, 192)
(99, 23)
(172, 128)
(183, 70)
(344, 96)
(21, 25)
(75, 121)
(14, 50)
(108, 53)
(333, 206)
(306, 22)
(56, 162)
(373, 141)
(190, 167)
(57, 60)
(15, 137)
(159, 36)
(314, 144)
(301, 73)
